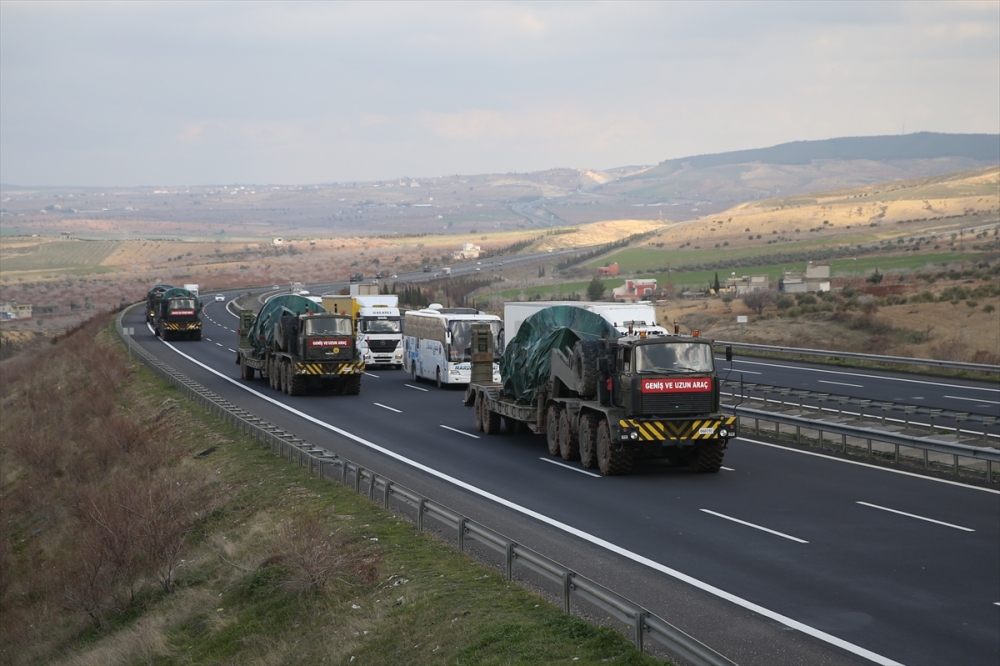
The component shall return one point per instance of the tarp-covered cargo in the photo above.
(177, 292)
(526, 362)
(262, 331)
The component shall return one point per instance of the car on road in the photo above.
(220, 297)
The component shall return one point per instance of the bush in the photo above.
(848, 291)
(988, 308)
(784, 303)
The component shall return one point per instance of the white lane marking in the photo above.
(416, 387)
(746, 372)
(460, 432)
(569, 529)
(855, 374)
(756, 527)
(823, 381)
(217, 344)
(570, 467)
(955, 397)
(913, 515)
(870, 466)
(371, 375)
(728, 469)
(232, 350)
(391, 409)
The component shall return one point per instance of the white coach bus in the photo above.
(437, 343)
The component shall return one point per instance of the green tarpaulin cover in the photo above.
(266, 321)
(177, 292)
(525, 364)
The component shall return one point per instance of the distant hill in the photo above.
(918, 146)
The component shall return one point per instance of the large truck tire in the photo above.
(196, 336)
(246, 372)
(585, 355)
(478, 409)
(708, 456)
(552, 428)
(166, 335)
(491, 421)
(514, 426)
(611, 461)
(588, 440)
(568, 447)
(296, 383)
(352, 385)
(284, 332)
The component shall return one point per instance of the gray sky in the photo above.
(180, 93)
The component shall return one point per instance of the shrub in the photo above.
(784, 303)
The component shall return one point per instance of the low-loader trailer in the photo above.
(296, 344)
(609, 401)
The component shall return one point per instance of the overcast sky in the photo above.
(178, 93)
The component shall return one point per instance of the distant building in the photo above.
(634, 290)
(14, 310)
(746, 284)
(468, 251)
(816, 278)
(608, 271)
(278, 241)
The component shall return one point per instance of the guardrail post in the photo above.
(640, 625)
(385, 494)
(567, 586)
(461, 534)
(509, 562)
(420, 514)
(357, 479)
(371, 487)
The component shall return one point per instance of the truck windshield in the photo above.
(181, 304)
(328, 326)
(384, 325)
(461, 340)
(674, 357)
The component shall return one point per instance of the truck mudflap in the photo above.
(319, 369)
(653, 430)
(181, 325)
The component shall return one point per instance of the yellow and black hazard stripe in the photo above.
(306, 368)
(182, 325)
(652, 430)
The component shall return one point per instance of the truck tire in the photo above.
(166, 335)
(286, 377)
(478, 409)
(708, 456)
(270, 373)
(196, 336)
(246, 372)
(514, 426)
(585, 355)
(610, 461)
(552, 428)
(491, 421)
(352, 385)
(284, 332)
(568, 447)
(296, 383)
(588, 440)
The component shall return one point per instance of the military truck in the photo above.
(600, 397)
(295, 344)
(153, 301)
(177, 315)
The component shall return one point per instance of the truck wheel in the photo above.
(285, 332)
(585, 354)
(611, 461)
(568, 448)
(478, 409)
(552, 428)
(588, 440)
(514, 426)
(440, 384)
(352, 385)
(246, 372)
(296, 383)
(196, 336)
(284, 375)
(708, 457)
(166, 335)
(491, 421)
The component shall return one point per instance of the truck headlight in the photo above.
(633, 435)
(723, 432)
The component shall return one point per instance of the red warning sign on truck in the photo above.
(677, 385)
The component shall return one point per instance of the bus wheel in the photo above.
(440, 384)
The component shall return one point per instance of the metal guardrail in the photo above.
(382, 490)
(901, 360)
(958, 450)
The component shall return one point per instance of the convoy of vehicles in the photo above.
(295, 344)
(437, 343)
(173, 313)
(604, 400)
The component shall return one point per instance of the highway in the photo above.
(783, 557)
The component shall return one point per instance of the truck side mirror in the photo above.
(729, 353)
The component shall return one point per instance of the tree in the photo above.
(595, 290)
(875, 278)
(716, 284)
(756, 301)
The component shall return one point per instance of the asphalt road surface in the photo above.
(782, 557)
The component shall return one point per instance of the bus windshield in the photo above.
(674, 357)
(328, 326)
(380, 325)
(461, 339)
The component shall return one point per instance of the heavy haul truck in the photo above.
(603, 398)
(173, 313)
(295, 344)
